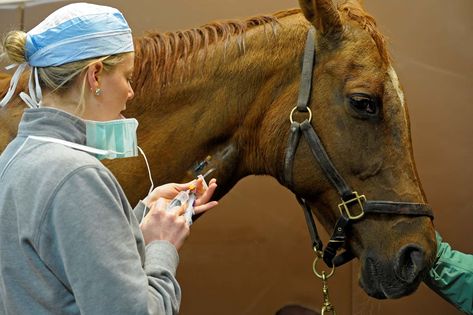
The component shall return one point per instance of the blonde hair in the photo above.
(57, 79)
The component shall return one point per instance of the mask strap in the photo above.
(75, 145)
(149, 170)
(150, 179)
(13, 83)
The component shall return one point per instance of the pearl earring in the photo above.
(98, 91)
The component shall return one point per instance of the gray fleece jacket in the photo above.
(69, 240)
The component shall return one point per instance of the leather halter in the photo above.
(349, 197)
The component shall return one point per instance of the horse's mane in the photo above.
(4, 83)
(164, 50)
(172, 53)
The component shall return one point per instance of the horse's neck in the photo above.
(222, 109)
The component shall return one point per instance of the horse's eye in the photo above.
(364, 104)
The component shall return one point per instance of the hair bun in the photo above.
(14, 46)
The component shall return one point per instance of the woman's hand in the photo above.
(169, 191)
(203, 196)
(162, 225)
(170, 225)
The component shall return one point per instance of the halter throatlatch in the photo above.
(353, 206)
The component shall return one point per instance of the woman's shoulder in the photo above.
(50, 164)
(63, 158)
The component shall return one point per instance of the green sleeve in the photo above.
(451, 276)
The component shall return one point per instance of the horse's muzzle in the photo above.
(396, 278)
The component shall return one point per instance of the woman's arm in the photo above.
(451, 276)
(88, 240)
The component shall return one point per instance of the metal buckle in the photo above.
(344, 206)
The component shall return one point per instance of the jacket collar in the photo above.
(51, 122)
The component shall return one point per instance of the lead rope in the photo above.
(327, 307)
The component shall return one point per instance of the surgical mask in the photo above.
(112, 139)
(118, 137)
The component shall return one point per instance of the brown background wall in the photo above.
(252, 254)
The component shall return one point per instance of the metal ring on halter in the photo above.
(294, 109)
(322, 275)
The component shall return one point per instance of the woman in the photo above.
(69, 241)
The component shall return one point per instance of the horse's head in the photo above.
(360, 116)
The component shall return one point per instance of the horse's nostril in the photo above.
(409, 262)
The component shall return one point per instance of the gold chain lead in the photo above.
(327, 306)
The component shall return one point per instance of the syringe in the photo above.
(185, 196)
(189, 197)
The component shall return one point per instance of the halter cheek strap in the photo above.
(353, 206)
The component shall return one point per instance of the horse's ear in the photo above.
(323, 15)
(356, 3)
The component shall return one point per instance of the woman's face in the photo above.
(115, 91)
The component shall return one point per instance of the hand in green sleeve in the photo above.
(451, 276)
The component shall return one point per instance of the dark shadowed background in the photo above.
(252, 255)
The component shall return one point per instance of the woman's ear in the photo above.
(93, 75)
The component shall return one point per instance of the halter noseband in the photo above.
(349, 197)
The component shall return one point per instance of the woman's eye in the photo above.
(364, 104)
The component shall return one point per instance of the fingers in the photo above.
(184, 186)
(180, 209)
(202, 203)
(205, 207)
(161, 224)
(159, 205)
(168, 191)
(207, 195)
(200, 186)
(162, 205)
(160, 208)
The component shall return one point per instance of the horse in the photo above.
(219, 98)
